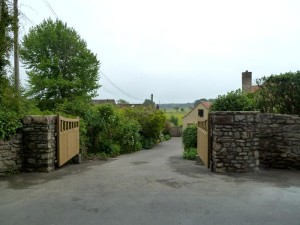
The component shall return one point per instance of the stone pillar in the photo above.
(246, 81)
(235, 141)
(39, 143)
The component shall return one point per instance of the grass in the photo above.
(179, 114)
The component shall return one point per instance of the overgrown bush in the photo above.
(112, 132)
(12, 108)
(10, 121)
(234, 101)
(190, 153)
(279, 93)
(174, 120)
(152, 123)
(189, 137)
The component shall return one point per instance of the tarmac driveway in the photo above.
(150, 187)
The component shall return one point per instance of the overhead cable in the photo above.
(125, 93)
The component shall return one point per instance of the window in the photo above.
(200, 112)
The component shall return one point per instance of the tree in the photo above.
(59, 65)
(122, 101)
(176, 108)
(6, 40)
(234, 101)
(279, 93)
(149, 102)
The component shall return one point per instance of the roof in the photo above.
(254, 88)
(205, 104)
(104, 101)
(130, 105)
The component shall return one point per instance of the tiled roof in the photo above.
(104, 101)
(205, 104)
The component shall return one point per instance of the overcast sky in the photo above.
(179, 50)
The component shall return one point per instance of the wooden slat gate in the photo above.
(67, 139)
(203, 142)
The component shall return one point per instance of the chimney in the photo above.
(246, 81)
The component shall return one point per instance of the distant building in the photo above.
(104, 101)
(197, 114)
(131, 105)
(247, 82)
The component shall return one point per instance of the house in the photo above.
(247, 82)
(104, 101)
(197, 114)
(128, 105)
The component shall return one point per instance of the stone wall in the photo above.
(243, 141)
(235, 141)
(39, 143)
(279, 141)
(11, 158)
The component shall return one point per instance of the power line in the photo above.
(108, 91)
(125, 93)
(50, 8)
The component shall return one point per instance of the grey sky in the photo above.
(180, 50)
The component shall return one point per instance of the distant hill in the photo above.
(173, 105)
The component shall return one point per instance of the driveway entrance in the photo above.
(149, 187)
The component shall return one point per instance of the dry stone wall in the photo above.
(245, 141)
(279, 141)
(33, 149)
(11, 158)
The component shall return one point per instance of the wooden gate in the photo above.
(67, 139)
(202, 142)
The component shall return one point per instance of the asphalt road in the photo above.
(149, 187)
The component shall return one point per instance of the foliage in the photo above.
(174, 120)
(189, 137)
(12, 108)
(176, 108)
(149, 103)
(147, 143)
(9, 123)
(190, 153)
(59, 65)
(122, 101)
(152, 123)
(234, 101)
(177, 114)
(167, 137)
(279, 93)
(111, 132)
(6, 41)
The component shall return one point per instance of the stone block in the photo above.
(223, 119)
(77, 159)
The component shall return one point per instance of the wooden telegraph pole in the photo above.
(16, 45)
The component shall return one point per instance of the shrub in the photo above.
(151, 121)
(147, 143)
(167, 137)
(279, 93)
(174, 120)
(108, 127)
(190, 153)
(234, 101)
(10, 121)
(189, 137)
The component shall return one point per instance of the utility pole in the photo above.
(1, 2)
(16, 46)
